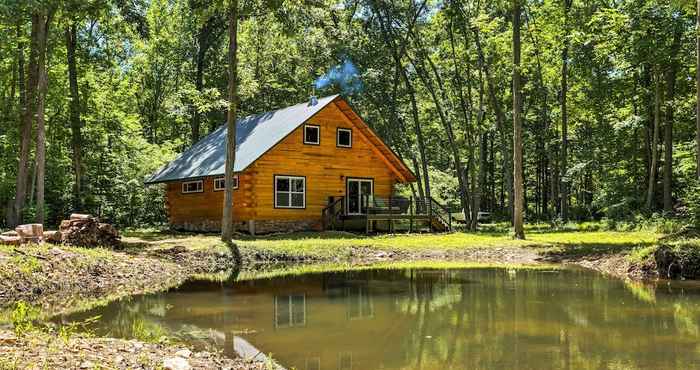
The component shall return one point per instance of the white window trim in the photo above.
(235, 183)
(318, 128)
(337, 137)
(200, 187)
(290, 192)
(290, 313)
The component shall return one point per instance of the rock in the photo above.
(184, 353)
(87, 365)
(176, 363)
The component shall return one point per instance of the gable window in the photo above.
(220, 183)
(192, 187)
(344, 138)
(312, 134)
(290, 192)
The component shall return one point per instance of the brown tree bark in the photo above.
(16, 213)
(75, 122)
(654, 142)
(668, 127)
(45, 20)
(500, 124)
(518, 189)
(697, 89)
(227, 219)
(564, 181)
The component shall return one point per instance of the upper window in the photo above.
(290, 192)
(312, 134)
(344, 138)
(220, 183)
(192, 187)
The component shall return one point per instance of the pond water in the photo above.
(483, 318)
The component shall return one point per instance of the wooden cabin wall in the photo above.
(325, 167)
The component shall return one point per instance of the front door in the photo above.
(358, 193)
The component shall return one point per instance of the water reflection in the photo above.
(430, 319)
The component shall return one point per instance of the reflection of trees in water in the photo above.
(437, 319)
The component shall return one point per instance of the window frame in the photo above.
(235, 183)
(290, 192)
(337, 137)
(289, 298)
(318, 131)
(200, 188)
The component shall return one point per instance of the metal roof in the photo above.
(255, 135)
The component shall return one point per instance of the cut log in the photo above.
(80, 216)
(10, 240)
(53, 237)
(30, 232)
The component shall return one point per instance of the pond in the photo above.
(475, 318)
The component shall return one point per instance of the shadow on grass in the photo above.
(581, 250)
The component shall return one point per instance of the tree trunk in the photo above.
(15, 215)
(500, 125)
(75, 123)
(227, 219)
(564, 180)
(697, 89)
(45, 20)
(518, 189)
(654, 142)
(668, 127)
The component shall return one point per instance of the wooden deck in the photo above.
(392, 211)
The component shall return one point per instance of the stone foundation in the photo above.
(253, 226)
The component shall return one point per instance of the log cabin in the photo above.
(295, 168)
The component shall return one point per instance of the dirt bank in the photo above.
(38, 350)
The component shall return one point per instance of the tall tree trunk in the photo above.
(654, 142)
(518, 188)
(697, 89)
(15, 215)
(564, 185)
(500, 124)
(419, 137)
(75, 123)
(227, 219)
(40, 119)
(668, 127)
(11, 215)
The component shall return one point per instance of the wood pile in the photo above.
(87, 231)
(79, 230)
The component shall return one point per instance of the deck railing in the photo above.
(332, 214)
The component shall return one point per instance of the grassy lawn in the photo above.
(338, 243)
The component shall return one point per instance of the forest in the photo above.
(560, 111)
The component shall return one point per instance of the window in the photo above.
(313, 363)
(220, 183)
(290, 310)
(312, 134)
(345, 361)
(192, 187)
(290, 192)
(344, 138)
(359, 303)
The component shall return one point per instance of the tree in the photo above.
(227, 219)
(75, 123)
(564, 186)
(518, 188)
(44, 18)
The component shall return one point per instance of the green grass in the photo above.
(340, 244)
